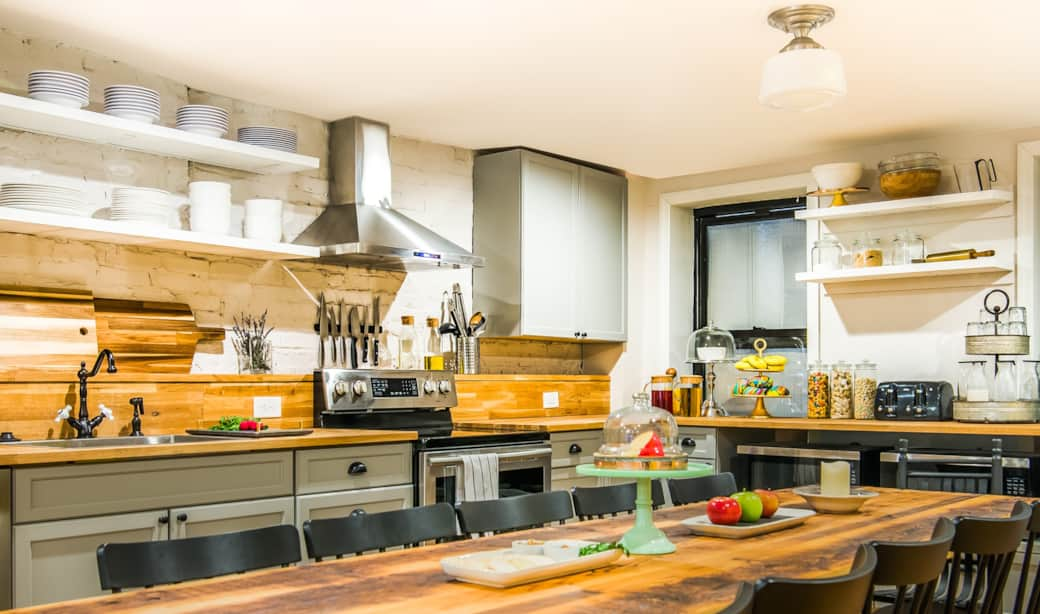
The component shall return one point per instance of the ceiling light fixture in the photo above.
(803, 76)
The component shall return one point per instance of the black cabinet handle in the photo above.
(688, 442)
(182, 517)
(357, 512)
(357, 468)
(164, 519)
(583, 335)
(574, 449)
(576, 335)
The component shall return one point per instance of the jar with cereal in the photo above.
(819, 390)
(864, 388)
(841, 390)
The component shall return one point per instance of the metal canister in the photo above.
(688, 395)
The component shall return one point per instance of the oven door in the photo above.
(522, 469)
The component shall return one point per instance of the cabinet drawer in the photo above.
(698, 443)
(586, 442)
(339, 504)
(328, 469)
(48, 493)
(567, 478)
(203, 520)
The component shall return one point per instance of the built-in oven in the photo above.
(786, 465)
(522, 469)
(956, 471)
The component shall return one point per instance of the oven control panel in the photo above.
(357, 390)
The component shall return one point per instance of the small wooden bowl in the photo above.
(832, 504)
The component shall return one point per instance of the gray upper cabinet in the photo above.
(554, 234)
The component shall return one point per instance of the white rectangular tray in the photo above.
(454, 566)
(784, 518)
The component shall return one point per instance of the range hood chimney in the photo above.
(359, 227)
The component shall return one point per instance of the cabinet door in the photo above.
(203, 520)
(549, 238)
(601, 261)
(55, 561)
(339, 504)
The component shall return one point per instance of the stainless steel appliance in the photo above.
(1021, 472)
(422, 401)
(789, 464)
(914, 401)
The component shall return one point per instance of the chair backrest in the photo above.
(914, 565)
(514, 513)
(361, 532)
(744, 602)
(983, 550)
(144, 564)
(1032, 606)
(602, 501)
(951, 476)
(846, 594)
(692, 490)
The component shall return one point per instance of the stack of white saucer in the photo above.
(268, 136)
(44, 199)
(141, 205)
(64, 88)
(132, 102)
(203, 119)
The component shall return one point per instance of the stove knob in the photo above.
(341, 389)
(428, 387)
(444, 387)
(359, 388)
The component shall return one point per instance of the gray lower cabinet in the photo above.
(203, 520)
(571, 449)
(336, 504)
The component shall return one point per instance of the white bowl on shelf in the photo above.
(837, 175)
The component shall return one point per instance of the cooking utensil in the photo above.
(47, 329)
(461, 320)
(959, 254)
(363, 313)
(985, 172)
(476, 324)
(149, 336)
(355, 326)
(377, 328)
(456, 321)
(323, 329)
(342, 323)
(333, 334)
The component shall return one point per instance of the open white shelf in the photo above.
(143, 235)
(906, 271)
(41, 117)
(907, 205)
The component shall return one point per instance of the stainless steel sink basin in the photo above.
(112, 442)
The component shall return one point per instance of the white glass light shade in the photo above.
(802, 80)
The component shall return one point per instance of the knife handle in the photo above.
(364, 347)
(353, 353)
(375, 351)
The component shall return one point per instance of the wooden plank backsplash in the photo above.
(177, 402)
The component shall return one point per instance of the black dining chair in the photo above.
(1032, 606)
(693, 490)
(953, 476)
(839, 595)
(744, 602)
(361, 532)
(602, 501)
(913, 568)
(514, 513)
(146, 564)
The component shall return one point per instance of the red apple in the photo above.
(770, 502)
(723, 510)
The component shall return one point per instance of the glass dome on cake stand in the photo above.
(709, 346)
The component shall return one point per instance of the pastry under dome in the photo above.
(640, 437)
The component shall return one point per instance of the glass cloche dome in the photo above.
(710, 344)
(640, 437)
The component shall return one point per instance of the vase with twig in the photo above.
(250, 338)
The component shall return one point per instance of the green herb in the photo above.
(602, 547)
(228, 423)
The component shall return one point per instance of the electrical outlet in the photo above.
(550, 400)
(267, 407)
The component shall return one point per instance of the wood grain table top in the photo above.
(701, 577)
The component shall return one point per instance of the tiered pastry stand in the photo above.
(644, 537)
(760, 399)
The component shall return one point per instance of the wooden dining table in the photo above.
(701, 576)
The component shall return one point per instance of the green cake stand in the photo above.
(645, 537)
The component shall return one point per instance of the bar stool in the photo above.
(693, 490)
(602, 501)
(1033, 605)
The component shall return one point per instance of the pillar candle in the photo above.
(834, 478)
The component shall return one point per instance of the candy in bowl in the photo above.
(640, 437)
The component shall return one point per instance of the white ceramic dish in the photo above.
(565, 549)
(784, 518)
(474, 568)
(837, 175)
(59, 99)
(831, 504)
(529, 546)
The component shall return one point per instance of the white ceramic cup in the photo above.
(263, 220)
(210, 206)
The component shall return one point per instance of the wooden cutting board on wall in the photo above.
(150, 337)
(46, 328)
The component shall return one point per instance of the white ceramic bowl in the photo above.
(834, 504)
(837, 175)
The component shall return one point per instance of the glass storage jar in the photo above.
(864, 389)
(687, 396)
(978, 384)
(900, 253)
(914, 246)
(841, 390)
(1005, 386)
(640, 437)
(1029, 381)
(661, 391)
(826, 254)
(868, 254)
(819, 391)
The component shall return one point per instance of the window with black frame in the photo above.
(745, 259)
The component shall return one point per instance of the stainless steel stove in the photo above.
(421, 401)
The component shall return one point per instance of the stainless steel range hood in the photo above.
(359, 227)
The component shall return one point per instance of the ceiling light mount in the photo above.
(799, 21)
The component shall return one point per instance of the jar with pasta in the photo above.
(841, 390)
(819, 391)
(864, 388)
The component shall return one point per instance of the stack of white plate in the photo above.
(203, 119)
(142, 205)
(44, 199)
(268, 136)
(64, 88)
(132, 102)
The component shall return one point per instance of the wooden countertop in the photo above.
(64, 376)
(701, 577)
(551, 424)
(871, 426)
(24, 454)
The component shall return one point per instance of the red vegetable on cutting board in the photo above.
(251, 425)
(654, 447)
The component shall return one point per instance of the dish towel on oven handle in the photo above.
(479, 478)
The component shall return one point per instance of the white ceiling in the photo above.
(655, 87)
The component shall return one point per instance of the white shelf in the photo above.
(907, 205)
(142, 235)
(41, 117)
(906, 271)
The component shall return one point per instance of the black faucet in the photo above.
(84, 424)
(135, 422)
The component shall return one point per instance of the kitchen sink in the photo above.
(112, 442)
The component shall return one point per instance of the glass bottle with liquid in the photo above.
(406, 344)
(433, 359)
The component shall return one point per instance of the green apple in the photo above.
(750, 505)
